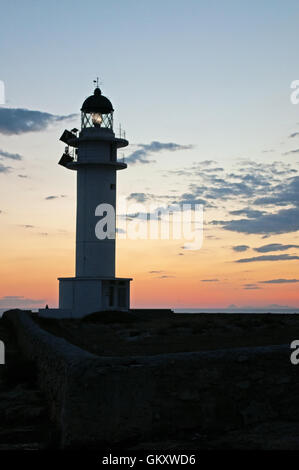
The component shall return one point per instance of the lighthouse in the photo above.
(92, 154)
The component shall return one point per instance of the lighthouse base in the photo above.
(80, 296)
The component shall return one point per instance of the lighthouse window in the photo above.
(112, 186)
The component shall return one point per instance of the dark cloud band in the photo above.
(20, 121)
(144, 151)
(10, 156)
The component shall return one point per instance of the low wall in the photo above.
(109, 400)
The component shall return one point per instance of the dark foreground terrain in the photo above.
(24, 418)
(24, 423)
(148, 333)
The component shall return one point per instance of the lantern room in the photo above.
(97, 111)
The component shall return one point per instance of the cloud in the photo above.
(20, 121)
(251, 287)
(188, 247)
(285, 257)
(144, 151)
(280, 281)
(50, 198)
(138, 197)
(165, 276)
(291, 152)
(274, 247)
(18, 301)
(250, 213)
(8, 156)
(4, 168)
(223, 189)
(283, 194)
(240, 248)
(284, 221)
(217, 169)
(251, 183)
(11, 156)
(191, 198)
(244, 185)
(206, 162)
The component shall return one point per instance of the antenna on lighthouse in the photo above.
(97, 82)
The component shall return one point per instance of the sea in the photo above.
(254, 310)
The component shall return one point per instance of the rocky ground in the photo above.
(147, 333)
(24, 423)
(276, 435)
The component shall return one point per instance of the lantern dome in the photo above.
(97, 103)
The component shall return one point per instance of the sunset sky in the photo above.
(202, 90)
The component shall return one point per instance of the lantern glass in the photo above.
(97, 119)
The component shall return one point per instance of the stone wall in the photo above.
(98, 400)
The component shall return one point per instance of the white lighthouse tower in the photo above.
(93, 155)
